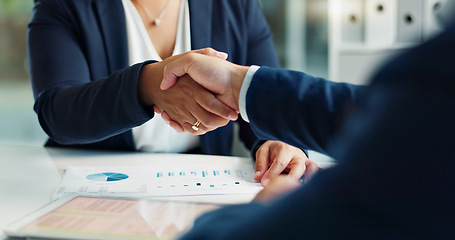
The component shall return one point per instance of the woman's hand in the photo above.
(275, 157)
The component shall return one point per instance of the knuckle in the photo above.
(261, 165)
(258, 158)
(215, 121)
(165, 69)
(208, 129)
(211, 122)
(281, 162)
(282, 147)
(190, 57)
(211, 104)
(259, 152)
(208, 50)
(296, 176)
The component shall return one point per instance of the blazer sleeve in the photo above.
(73, 106)
(260, 51)
(307, 111)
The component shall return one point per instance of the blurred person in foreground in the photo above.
(395, 173)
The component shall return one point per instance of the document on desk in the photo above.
(158, 181)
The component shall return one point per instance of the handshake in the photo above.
(198, 93)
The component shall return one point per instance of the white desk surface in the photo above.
(30, 175)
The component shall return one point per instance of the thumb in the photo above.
(174, 70)
(211, 52)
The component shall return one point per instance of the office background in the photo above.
(302, 48)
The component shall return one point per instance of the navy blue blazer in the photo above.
(395, 177)
(85, 92)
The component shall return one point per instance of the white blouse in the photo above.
(156, 135)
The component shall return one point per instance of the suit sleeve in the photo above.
(307, 111)
(72, 106)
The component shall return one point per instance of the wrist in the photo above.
(148, 83)
(238, 75)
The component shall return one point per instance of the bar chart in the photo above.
(153, 181)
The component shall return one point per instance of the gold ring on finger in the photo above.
(196, 125)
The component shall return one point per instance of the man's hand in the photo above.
(221, 77)
(275, 157)
(277, 187)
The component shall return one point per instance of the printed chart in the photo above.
(149, 181)
(107, 177)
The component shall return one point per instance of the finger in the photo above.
(211, 52)
(176, 126)
(166, 117)
(298, 168)
(222, 55)
(279, 164)
(172, 71)
(262, 161)
(212, 104)
(188, 126)
(277, 187)
(157, 109)
(311, 169)
(206, 105)
(191, 127)
(170, 78)
(201, 129)
(206, 118)
(206, 51)
(181, 129)
(184, 109)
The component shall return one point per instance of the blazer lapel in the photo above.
(111, 17)
(200, 15)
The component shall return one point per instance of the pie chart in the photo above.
(107, 177)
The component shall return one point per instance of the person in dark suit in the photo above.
(95, 86)
(395, 148)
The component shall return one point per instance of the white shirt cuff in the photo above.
(245, 85)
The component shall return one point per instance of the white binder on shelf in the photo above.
(357, 65)
(432, 25)
(410, 21)
(352, 21)
(380, 22)
(389, 28)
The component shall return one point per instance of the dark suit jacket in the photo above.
(85, 92)
(395, 177)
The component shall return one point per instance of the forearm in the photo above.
(274, 107)
(77, 98)
(89, 112)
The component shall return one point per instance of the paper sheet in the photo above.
(156, 181)
(103, 218)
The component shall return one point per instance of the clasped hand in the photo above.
(187, 102)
